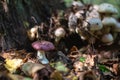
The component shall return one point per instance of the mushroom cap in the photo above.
(107, 8)
(117, 27)
(60, 32)
(109, 21)
(94, 24)
(43, 45)
(77, 3)
(34, 29)
(107, 38)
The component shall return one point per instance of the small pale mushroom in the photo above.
(91, 24)
(59, 33)
(107, 38)
(94, 24)
(107, 8)
(109, 21)
(33, 33)
(41, 47)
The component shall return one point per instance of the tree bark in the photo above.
(16, 16)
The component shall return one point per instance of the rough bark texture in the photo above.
(16, 16)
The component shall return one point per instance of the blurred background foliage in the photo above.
(116, 3)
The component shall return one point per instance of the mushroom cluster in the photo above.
(96, 21)
(90, 22)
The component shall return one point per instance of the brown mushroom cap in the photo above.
(43, 45)
(107, 8)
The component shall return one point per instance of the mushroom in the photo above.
(94, 24)
(109, 21)
(59, 33)
(41, 47)
(107, 38)
(33, 33)
(107, 8)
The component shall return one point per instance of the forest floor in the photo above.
(80, 64)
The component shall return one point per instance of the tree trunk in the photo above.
(16, 16)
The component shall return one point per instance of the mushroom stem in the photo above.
(41, 57)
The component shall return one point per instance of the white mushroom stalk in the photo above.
(59, 33)
(41, 57)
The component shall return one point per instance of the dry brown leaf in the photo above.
(74, 53)
(74, 48)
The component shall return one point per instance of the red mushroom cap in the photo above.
(43, 45)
